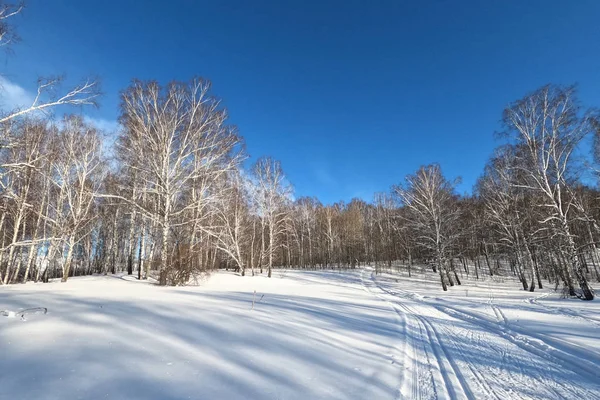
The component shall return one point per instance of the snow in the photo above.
(311, 335)
(490, 340)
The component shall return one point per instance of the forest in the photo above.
(173, 200)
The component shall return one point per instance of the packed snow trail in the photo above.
(487, 359)
(422, 377)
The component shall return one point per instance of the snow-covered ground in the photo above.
(489, 340)
(311, 335)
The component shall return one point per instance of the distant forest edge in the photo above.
(174, 201)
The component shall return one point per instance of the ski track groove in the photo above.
(516, 337)
(446, 365)
(455, 370)
(527, 342)
(405, 355)
(414, 385)
(562, 311)
(479, 378)
(464, 386)
(434, 343)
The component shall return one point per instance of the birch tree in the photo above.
(21, 181)
(76, 177)
(432, 213)
(548, 125)
(177, 140)
(8, 34)
(232, 218)
(504, 203)
(273, 194)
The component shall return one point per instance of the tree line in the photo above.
(171, 199)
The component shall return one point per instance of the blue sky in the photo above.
(351, 96)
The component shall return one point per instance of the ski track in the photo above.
(443, 372)
(455, 384)
(459, 378)
(539, 349)
(562, 311)
(419, 384)
(532, 343)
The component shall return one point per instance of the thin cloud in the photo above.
(110, 127)
(13, 96)
(323, 175)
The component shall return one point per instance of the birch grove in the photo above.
(177, 145)
(173, 200)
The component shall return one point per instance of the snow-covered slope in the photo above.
(311, 335)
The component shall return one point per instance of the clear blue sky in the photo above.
(350, 95)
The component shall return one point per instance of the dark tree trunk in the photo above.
(487, 260)
(130, 264)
